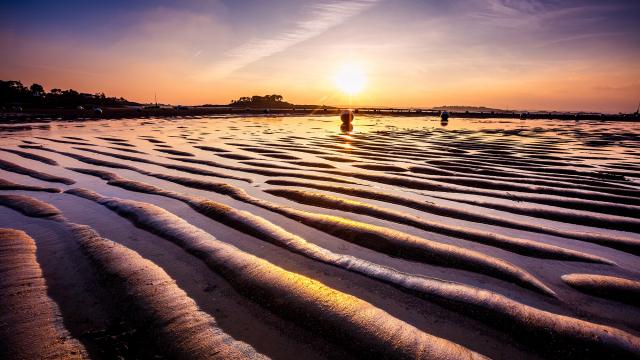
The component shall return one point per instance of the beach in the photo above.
(276, 236)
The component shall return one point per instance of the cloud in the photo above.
(320, 18)
(534, 13)
(574, 38)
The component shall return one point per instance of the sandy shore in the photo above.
(282, 237)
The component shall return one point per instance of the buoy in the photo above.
(346, 116)
(444, 115)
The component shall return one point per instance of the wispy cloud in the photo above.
(533, 13)
(318, 19)
(580, 37)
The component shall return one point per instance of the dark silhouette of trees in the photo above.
(13, 93)
(36, 90)
(273, 100)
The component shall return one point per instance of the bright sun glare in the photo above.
(350, 79)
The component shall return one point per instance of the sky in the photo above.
(511, 54)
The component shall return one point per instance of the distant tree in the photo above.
(70, 93)
(37, 89)
(14, 93)
(273, 100)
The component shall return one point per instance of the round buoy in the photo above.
(444, 116)
(346, 116)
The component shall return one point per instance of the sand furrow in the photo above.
(604, 221)
(211, 149)
(388, 241)
(65, 141)
(94, 161)
(84, 159)
(528, 192)
(527, 323)
(28, 205)
(269, 165)
(403, 245)
(608, 208)
(538, 185)
(609, 287)
(174, 152)
(150, 297)
(188, 169)
(463, 166)
(520, 246)
(174, 322)
(126, 149)
(264, 172)
(354, 322)
(8, 185)
(122, 143)
(281, 156)
(28, 155)
(200, 171)
(621, 243)
(74, 138)
(30, 321)
(9, 166)
(235, 156)
(111, 138)
(154, 141)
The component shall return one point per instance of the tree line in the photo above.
(14, 93)
(274, 100)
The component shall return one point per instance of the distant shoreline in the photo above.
(44, 115)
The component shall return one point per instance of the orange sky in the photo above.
(516, 55)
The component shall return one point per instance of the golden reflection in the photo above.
(346, 137)
(347, 129)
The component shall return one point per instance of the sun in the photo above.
(350, 79)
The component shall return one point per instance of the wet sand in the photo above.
(285, 238)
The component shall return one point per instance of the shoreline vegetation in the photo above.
(20, 104)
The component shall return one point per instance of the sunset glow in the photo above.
(569, 55)
(350, 79)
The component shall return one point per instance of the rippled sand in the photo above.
(284, 237)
